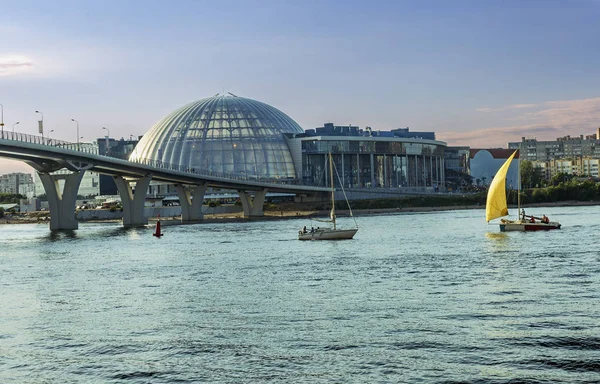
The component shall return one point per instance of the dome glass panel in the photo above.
(227, 134)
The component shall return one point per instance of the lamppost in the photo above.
(77, 122)
(49, 134)
(14, 126)
(2, 119)
(107, 141)
(41, 124)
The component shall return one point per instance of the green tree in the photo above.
(561, 177)
(530, 175)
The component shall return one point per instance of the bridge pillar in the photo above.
(191, 199)
(254, 207)
(133, 200)
(62, 204)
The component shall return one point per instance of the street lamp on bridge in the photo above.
(107, 141)
(2, 118)
(14, 126)
(77, 122)
(41, 124)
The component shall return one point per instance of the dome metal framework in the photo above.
(228, 134)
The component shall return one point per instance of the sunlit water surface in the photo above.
(428, 297)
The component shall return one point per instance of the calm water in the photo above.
(429, 297)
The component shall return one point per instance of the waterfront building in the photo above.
(16, 182)
(582, 167)
(236, 136)
(485, 163)
(566, 147)
(368, 158)
(458, 167)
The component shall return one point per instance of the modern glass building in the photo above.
(240, 136)
(369, 159)
(226, 134)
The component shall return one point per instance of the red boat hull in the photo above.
(523, 226)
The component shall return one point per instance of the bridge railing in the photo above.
(93, 149)
(210, 173)
(25, 138)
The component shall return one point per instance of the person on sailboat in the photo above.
(304, 229)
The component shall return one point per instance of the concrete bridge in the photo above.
(132, 179)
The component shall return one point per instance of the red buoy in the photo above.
(157, 233)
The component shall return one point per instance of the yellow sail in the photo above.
(496, 206)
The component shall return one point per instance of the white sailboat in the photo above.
(332, 233)
(496, 206)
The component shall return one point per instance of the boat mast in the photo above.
(332, 214)
(519, 184)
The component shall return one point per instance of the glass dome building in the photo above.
(228, 134)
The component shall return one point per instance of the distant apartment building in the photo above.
(566, 147)
(17, 182)
(582, 167)
(572, 155)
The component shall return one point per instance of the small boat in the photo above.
(332, 233)
(496, 206)
(528, 223)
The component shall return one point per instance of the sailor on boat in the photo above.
(545, 219)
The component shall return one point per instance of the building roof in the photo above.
(497, 153)
(225, 134)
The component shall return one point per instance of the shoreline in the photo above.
(291, 214)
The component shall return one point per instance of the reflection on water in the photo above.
(497, 236)
(61, 235)
(413, 298)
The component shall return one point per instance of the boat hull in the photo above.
(328, 234)
(524, 226)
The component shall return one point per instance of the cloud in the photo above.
(550, 120)
(508, 107)
(12, 65)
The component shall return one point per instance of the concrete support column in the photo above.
(424, 173)
(191, 199)
(254, 207)
(358, 178)
(443, 167)
(431, 181)
(62, 204)
(343, 173)
(372, 170)
(416, 171)
(133, 200)
(326, 157)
